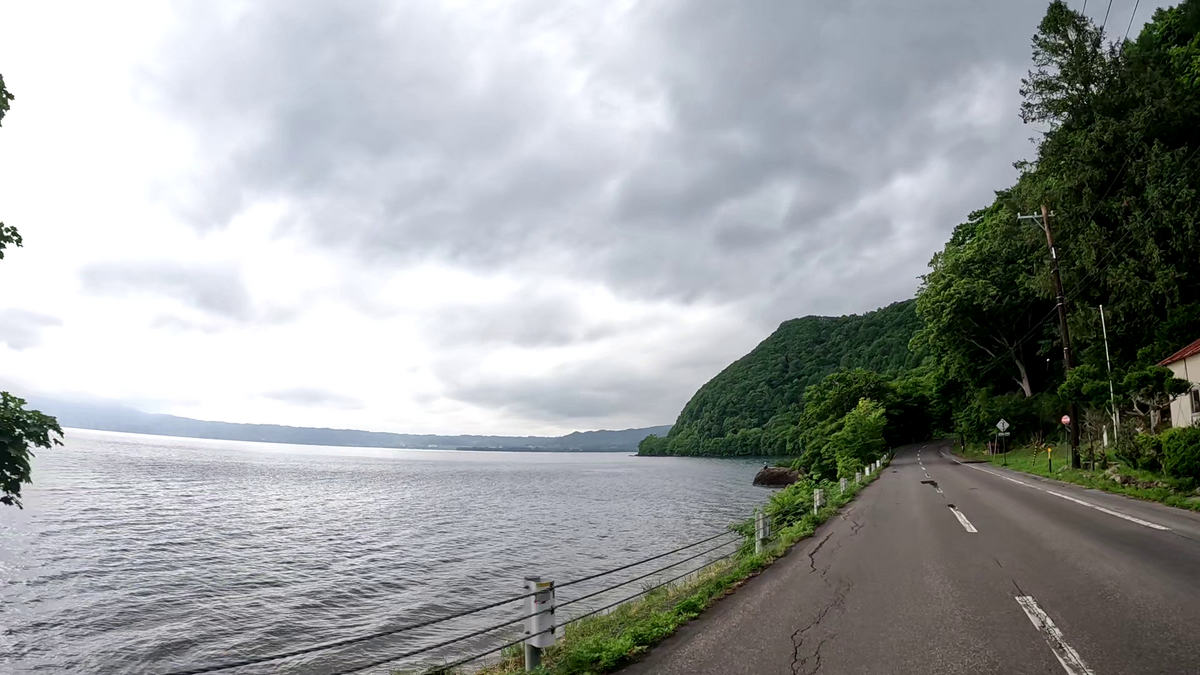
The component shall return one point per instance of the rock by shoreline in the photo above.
(776, 476)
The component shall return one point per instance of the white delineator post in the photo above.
(843, 484)
(857, 477)
(818, 499)
(762, 531)
(539, 625)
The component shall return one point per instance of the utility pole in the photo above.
(1062, 328)
(1112, 395)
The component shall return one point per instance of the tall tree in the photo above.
(979, 304)
(1119, 167)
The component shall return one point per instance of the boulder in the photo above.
(776, 476)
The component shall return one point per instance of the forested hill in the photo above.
(753, 406)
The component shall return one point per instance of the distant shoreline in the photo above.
(70, 428)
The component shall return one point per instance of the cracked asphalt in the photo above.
(1054, 579)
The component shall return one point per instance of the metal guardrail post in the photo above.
(762, 531)
(540, 624)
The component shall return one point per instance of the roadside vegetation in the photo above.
(606, 642)
(1173, 479)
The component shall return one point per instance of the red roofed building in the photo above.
(1185, 363)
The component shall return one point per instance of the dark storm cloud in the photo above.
(22, 329)
(218, 291)
(783, 157)
(416, 133)
(314, 397)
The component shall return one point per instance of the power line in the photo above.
(1071, 294)
(1106, 15)
(1135, 6)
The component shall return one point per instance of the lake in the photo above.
(147, 554)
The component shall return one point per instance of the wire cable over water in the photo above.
(454, 664)
(212, 668)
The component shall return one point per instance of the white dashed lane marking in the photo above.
(1068, 657)
(963, 519)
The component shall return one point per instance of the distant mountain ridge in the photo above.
(118, 418)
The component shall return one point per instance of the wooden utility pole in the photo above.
(1066, 336)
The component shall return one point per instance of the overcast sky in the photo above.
(477, 216)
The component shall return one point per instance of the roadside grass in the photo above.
(606, 642)
(1169, 491)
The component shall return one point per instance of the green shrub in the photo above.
(790, 504)
(1149, 452)
(1181, 452)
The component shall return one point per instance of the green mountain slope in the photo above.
(751, 407)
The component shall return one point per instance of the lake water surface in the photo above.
(146, 554)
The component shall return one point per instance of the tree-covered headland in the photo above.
(1116, 167)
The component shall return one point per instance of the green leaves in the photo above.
(8, 237)
(980, 303)
(5, 98)
(21, 430)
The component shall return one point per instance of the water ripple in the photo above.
(140, 554)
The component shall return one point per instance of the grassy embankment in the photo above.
(603, 643)
(1138, 483)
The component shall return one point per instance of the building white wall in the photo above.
(1182, 414)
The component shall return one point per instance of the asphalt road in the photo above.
(941, 567)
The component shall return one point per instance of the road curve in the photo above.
(942, 567)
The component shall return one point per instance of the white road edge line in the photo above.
(1067, 656)
(963, 519)
(1132, 519)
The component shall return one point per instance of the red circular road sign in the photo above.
(1066, 419)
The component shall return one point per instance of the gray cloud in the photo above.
(784, 157)
(588, 394)
(314, 397)
(218, 291)
(532, 319)
(416, 132)
(22, 329)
